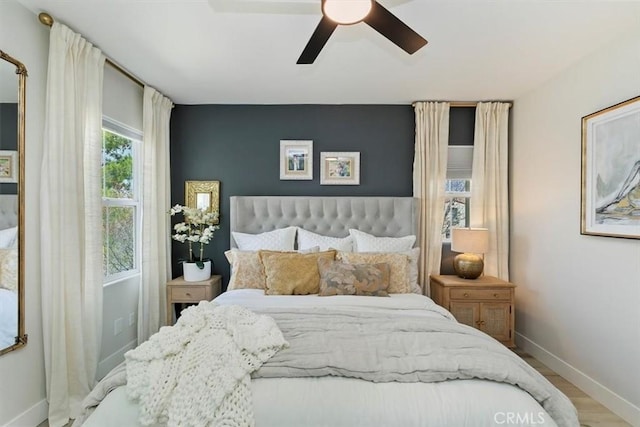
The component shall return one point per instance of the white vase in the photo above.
(192, 273)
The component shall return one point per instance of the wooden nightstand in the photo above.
(179, 291)
(486, 303)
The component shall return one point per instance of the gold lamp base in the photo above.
(468, 266)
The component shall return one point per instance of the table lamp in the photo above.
(472, 242)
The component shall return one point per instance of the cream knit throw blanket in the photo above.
(197, 373)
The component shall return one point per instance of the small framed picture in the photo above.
(296, 159)
(203, 195)
(8, 166)
(340, 168)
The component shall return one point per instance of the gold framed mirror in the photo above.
(13, 80)
(203, 195)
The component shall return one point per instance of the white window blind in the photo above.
(459, 161)
(122, 99)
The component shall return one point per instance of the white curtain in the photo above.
(71, 222)
(489, 184)
(429, 175)
(156, 188)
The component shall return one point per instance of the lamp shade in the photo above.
(470, 240)
(346, 12)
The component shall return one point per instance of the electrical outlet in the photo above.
(132, 319)
(118, 326)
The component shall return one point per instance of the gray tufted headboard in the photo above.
(329, 216)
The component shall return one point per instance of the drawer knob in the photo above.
(188, 294)
(466, 295)
(495, 295)
(482, 322)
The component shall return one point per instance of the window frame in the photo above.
(135, 136)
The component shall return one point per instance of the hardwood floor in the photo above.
(590, 412)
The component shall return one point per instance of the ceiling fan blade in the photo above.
(317, 41)
(387, 24)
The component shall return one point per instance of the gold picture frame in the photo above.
(610, 205)
(203, 194)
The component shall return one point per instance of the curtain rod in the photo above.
(47, 20)
(463, 103)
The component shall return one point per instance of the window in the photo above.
(457, 189)
(456, 206)
(120, 200)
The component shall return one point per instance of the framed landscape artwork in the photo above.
(340, 168)
(8, 166)
(611, 171)
(296, 159)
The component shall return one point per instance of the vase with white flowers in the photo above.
(196, 229)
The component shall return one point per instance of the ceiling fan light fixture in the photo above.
(346, 12)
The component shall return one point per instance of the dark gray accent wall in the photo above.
(462, 121)
(8, 126)
(8, 137)
(239, 145)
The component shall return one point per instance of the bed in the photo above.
(8, 270)
(395, 359)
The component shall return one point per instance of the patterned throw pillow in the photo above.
(247, 271)
(339, 278)
(364, 242)
(414, 257)
(290, 273)
(399, 264)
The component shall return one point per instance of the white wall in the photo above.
(120, 302)
(577, 296)
(22, 390)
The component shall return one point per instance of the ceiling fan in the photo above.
(348, 12)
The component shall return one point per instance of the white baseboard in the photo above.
(113, 360)
(32, 416)
(616, 404)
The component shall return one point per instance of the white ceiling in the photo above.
(245, 51)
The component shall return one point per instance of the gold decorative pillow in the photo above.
(247, 271)
(399, 265)
(289, 273)
(341, 278)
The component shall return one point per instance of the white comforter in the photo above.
(339, 401)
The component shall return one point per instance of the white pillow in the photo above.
(282, 239)
(307, 239)
(9, 237)
(364, 242)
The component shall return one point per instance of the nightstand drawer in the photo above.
(481, 294)
(188, 293)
